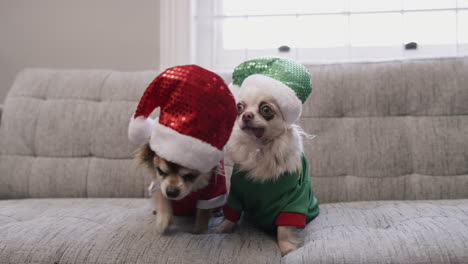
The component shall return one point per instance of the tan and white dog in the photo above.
(184, 147)
(177, 190)
(270, 183)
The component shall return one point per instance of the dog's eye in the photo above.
(240, 108)
(266, 111)
(162, 173)
(189, 177)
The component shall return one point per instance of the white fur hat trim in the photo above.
(289, 103)
(234, 89)
(184, 150)
(140, 129)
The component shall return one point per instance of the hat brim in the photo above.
(184, 150)
(288, 102)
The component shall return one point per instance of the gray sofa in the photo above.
(389, 166)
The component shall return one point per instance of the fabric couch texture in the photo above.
(393, 130)
(122, 231)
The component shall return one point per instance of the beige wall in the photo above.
(111, 34)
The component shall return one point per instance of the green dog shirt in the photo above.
(286, 201)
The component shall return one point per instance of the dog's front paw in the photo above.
(162, 222)
(217, 230)
(225, 227)
(289, 239)
(286, 247)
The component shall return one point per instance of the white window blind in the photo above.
(231, 31)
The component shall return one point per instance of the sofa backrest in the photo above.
(385, 130)
(64, 134)
(394, 130)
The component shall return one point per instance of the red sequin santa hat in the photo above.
(196, 118)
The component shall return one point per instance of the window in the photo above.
(231, 31)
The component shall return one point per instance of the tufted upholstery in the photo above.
(393, 130)
(122, 231)
(389, 130)
(387, 232)
(403, 118)
(64, 135)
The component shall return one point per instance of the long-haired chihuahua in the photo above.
(270, 183)
(177, 190)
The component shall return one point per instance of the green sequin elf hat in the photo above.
(286, 80)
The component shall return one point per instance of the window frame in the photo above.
(176, 33)
(190, 32)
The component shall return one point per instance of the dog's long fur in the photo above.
(267, 160)
(173, 178)
(265, 147)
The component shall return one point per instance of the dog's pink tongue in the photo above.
(258, 132)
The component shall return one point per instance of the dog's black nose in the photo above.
(247, 116)
(172, 192)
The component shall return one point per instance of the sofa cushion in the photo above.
(116, 231)
(64, 134)
(393, 130)
(387, 232)
(122, 231)
(390, 130)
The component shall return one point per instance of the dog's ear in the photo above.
(145, 155)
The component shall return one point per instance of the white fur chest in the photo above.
(266, 160)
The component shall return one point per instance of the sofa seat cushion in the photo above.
(122, 231)
(387, 232)
(119, 230)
